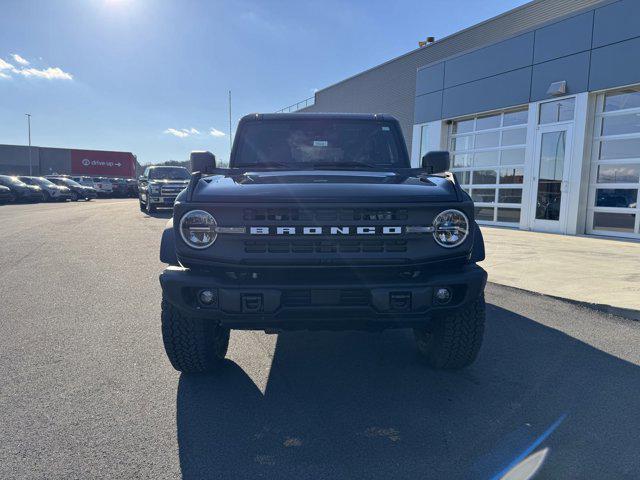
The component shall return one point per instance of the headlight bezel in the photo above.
(212, 229)
(436, 231)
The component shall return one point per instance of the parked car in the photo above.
(6, 195)
(82, 180)
(22, 191)
(132, 188)
(51, 191)
(77, 191)
(119, 186)
(160, 185)
(102, 186)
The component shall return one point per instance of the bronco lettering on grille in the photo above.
(356, 230)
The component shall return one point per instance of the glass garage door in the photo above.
(488, 153)
(613, 207)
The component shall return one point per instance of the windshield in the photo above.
(321, 142)
(5, 180)
(43, 181)
(170, 173)
(72, 183)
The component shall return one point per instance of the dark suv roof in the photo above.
(317, 115)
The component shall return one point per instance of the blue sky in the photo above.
(152, 76)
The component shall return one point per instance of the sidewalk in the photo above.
(584, 269)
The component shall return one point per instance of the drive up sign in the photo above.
(108, 164)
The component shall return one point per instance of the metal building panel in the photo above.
(428, 107)
(500, 91)
(501, 57)
(430, 79)
(563, 38)
(615, 65)
(55, 161)
(574, 69)
(14, 160)
(616, 22)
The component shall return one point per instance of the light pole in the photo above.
(29, 130)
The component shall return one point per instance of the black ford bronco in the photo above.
(321, 223)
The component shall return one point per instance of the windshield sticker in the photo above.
(385, 129)
(320, 143)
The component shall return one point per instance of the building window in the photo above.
(557, 111)
(613, 207)
(488, 153)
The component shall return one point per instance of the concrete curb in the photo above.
(626, 313)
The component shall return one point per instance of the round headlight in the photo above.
(197, 228)
(451, 228)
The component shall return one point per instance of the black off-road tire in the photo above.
(141, 205)
(454, 340)
(193, 345)
(150, 208)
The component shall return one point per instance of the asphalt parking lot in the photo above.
(87, 391)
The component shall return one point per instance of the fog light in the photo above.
(442, 295)
(207, 297)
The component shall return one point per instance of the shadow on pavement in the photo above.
(159, 214)
(359, 405)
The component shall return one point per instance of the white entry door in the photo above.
(551, 178)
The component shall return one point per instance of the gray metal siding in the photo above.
(616, 22)
(615, 65)
(504, 90)
(14, 160)
(574, 69)
(391, 87)
(563, 38)
(55, 160)
(430, 79)
(561, 51)
(428, 107)
(502, 57)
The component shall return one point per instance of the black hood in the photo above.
(324, 186)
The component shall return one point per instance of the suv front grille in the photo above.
(171, 190)
(324, 214)
(324, 246)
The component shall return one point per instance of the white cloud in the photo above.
(182, 132)
(6, 66)
(177, 133)
(214, 132)
(51, 73)
(19, 59)
(4, 75)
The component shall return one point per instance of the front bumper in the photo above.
(331, 305)
(163, 201)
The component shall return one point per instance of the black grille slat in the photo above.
(325, 246)
(325, 214)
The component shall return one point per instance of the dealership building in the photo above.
(21, 160)
(539, 106)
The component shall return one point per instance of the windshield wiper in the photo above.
(341, 165)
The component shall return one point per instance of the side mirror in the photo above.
(436, 161)
(201, 161)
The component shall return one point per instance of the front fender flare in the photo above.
(168, 245)
(477, 250)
